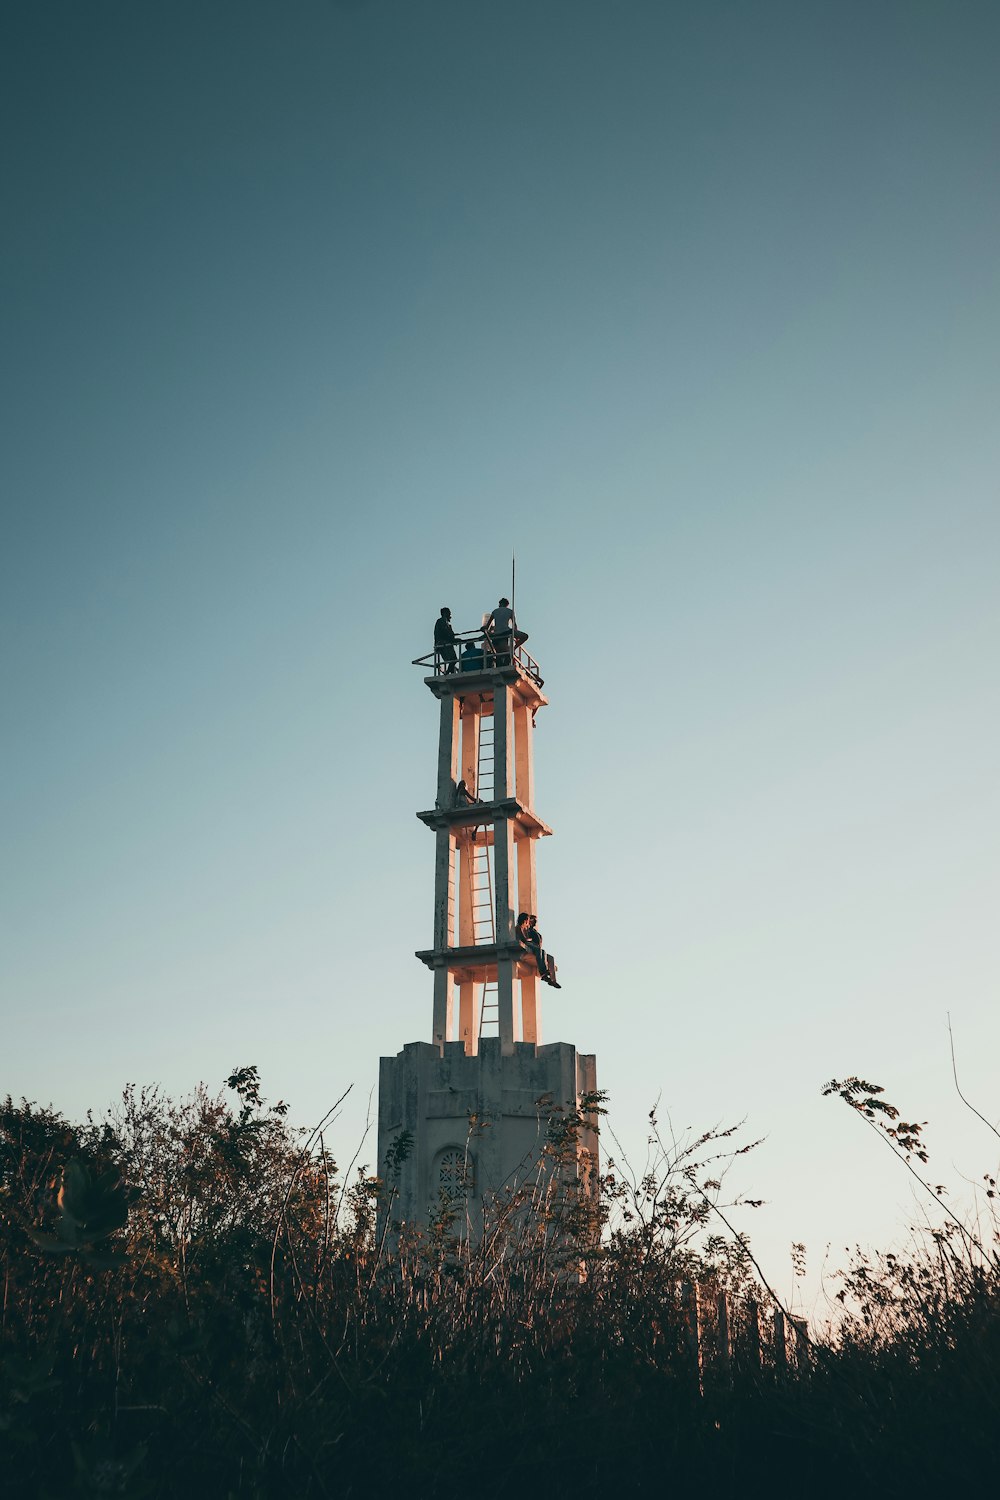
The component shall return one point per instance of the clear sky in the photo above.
(310, 313)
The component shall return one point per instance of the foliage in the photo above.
(195, 1301)
(917, 1367)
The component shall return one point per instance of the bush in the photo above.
(196, 1303)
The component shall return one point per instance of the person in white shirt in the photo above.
(500, 629)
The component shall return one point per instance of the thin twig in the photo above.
(954, 1074)
(350, 1166)
(303, 1158)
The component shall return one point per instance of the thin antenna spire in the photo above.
(513, 565)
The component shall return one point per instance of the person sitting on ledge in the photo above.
(529, 935)
(462, 794)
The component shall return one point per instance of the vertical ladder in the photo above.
(486, 759)
(489, 1009)
(481, 888)
(480, 864)
(452, 914)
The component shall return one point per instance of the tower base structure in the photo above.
(477, 1124)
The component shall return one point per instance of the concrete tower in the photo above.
(485, 1062)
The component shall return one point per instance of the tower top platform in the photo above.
(477, 662)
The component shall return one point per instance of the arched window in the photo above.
(455, 1178)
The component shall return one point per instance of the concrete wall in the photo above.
(435, 1092)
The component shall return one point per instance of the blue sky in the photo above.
(310, 314)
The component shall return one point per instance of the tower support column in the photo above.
(523, 759)
(508, 1012)
(444, 889)
(531, 1028)
(503, 749)
(471, 718)
(447, 774)
(527, 888)
(467, 1029)
(505, 874)
(444, 1005)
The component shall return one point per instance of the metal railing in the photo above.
(488, 654)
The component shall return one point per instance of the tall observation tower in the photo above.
(485, 1060)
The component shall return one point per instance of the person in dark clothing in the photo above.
(528, 934)
(546, 958)
(526, 937)
(444, 641)
(472, 657)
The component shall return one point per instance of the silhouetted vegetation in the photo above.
(195, 1302)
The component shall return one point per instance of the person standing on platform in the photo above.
(444, 641)
(500, 629)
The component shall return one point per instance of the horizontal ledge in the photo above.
(481, 685)
(475, 814)
(478, 964)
